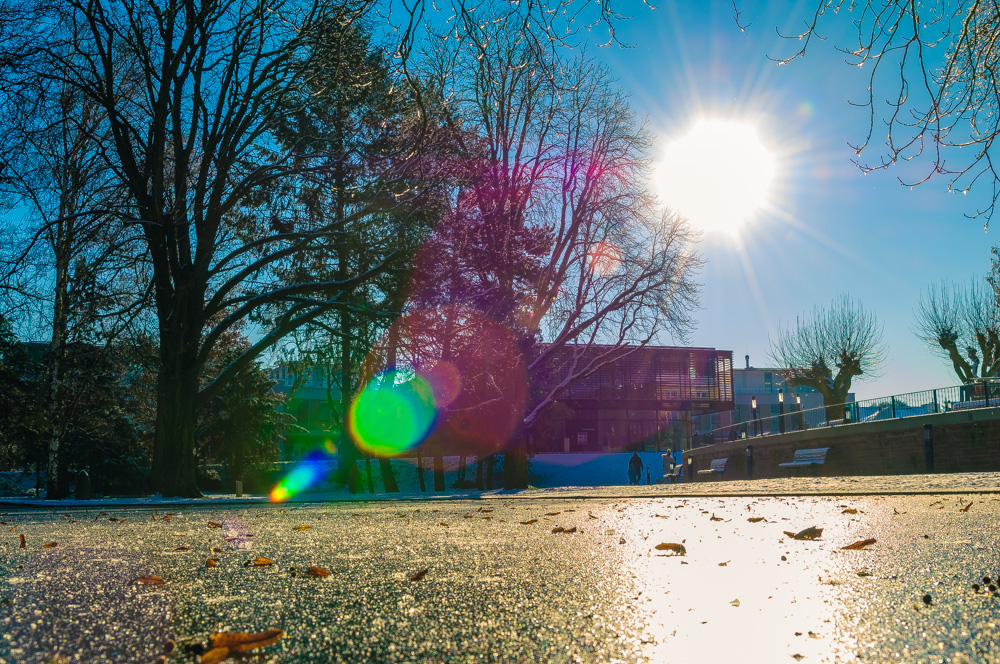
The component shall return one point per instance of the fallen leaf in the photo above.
(214, 524)
(810, 533)
(591, 515)
(677, 549)
(895, 511)
(569, 530)
(469, 516)
(715, 518)
(215, 655)
(183, 548)
(558, 529)
(529, 522)
(168, 517)
(317, 571)
(735, 602)
(50, 545)
(23, 544)
(150, 581)
(552, 513)
(13, 529)
(419, 575)
(216, 549)
(966, 508)
(850, 511)
(860, 544)
(301, 527)
(260, 561)
(231, 539)
(212, 562)
(242, 642)
(723, 564)
(443, 524)
(755, 519)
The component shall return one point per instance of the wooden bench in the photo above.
(718, 466)
(809, 457)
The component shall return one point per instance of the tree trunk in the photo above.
(489, 472)
(388, 478)
(438, 468)
(479, 474)
(420, 471)
(368, 471)
(515, 464)
(174, 466)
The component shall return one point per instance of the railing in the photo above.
(982, 394)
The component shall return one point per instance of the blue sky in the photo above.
(835, 230)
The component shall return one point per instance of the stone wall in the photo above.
(964, 441)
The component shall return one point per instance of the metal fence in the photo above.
(983, 394)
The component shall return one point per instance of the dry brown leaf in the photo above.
(13, 529)
(419, 575)
(715, 518)
(216, 549)
(677, 549)
(182, 548)
(443, 524)
(50, 545)
(966, 508)
(23, 543)
(529, 522)
(552, 513)
(260, 561)
(558, 529)
(569, 530)
(214, 524)
(242, 641)
(212, 562)
(860, 544)
(215, 655)
(231, 539)
(850, 510)
(317, 571)
(150, 581)
(755, 519)
(168, 517)
(301, 527)
(810, 533)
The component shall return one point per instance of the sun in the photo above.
(718, 175)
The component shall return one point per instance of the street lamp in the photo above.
(753, 412)
(781, 411)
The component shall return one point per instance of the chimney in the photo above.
(748, 361)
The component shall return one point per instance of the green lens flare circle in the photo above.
(388, 418)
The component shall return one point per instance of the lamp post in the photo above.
(798, 405)
(781, 411)
(753, 413)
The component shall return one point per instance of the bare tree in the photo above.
(932, 82)
(828, 349)
(963, 323)
(553, 238)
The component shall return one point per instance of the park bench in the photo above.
(718, 466)
(674, 476)
(808, 457)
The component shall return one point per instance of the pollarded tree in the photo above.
(829, 348)
(932, 81)
(964, 325)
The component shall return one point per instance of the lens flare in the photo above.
(604, 259)
(390, 417)
(309, 471)
(445, 382)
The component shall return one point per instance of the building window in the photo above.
(774, 417)
(768, 383)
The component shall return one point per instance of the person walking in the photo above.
(634, 469)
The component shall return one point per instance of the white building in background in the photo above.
(768, 386)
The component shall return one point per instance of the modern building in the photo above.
(643, 401)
